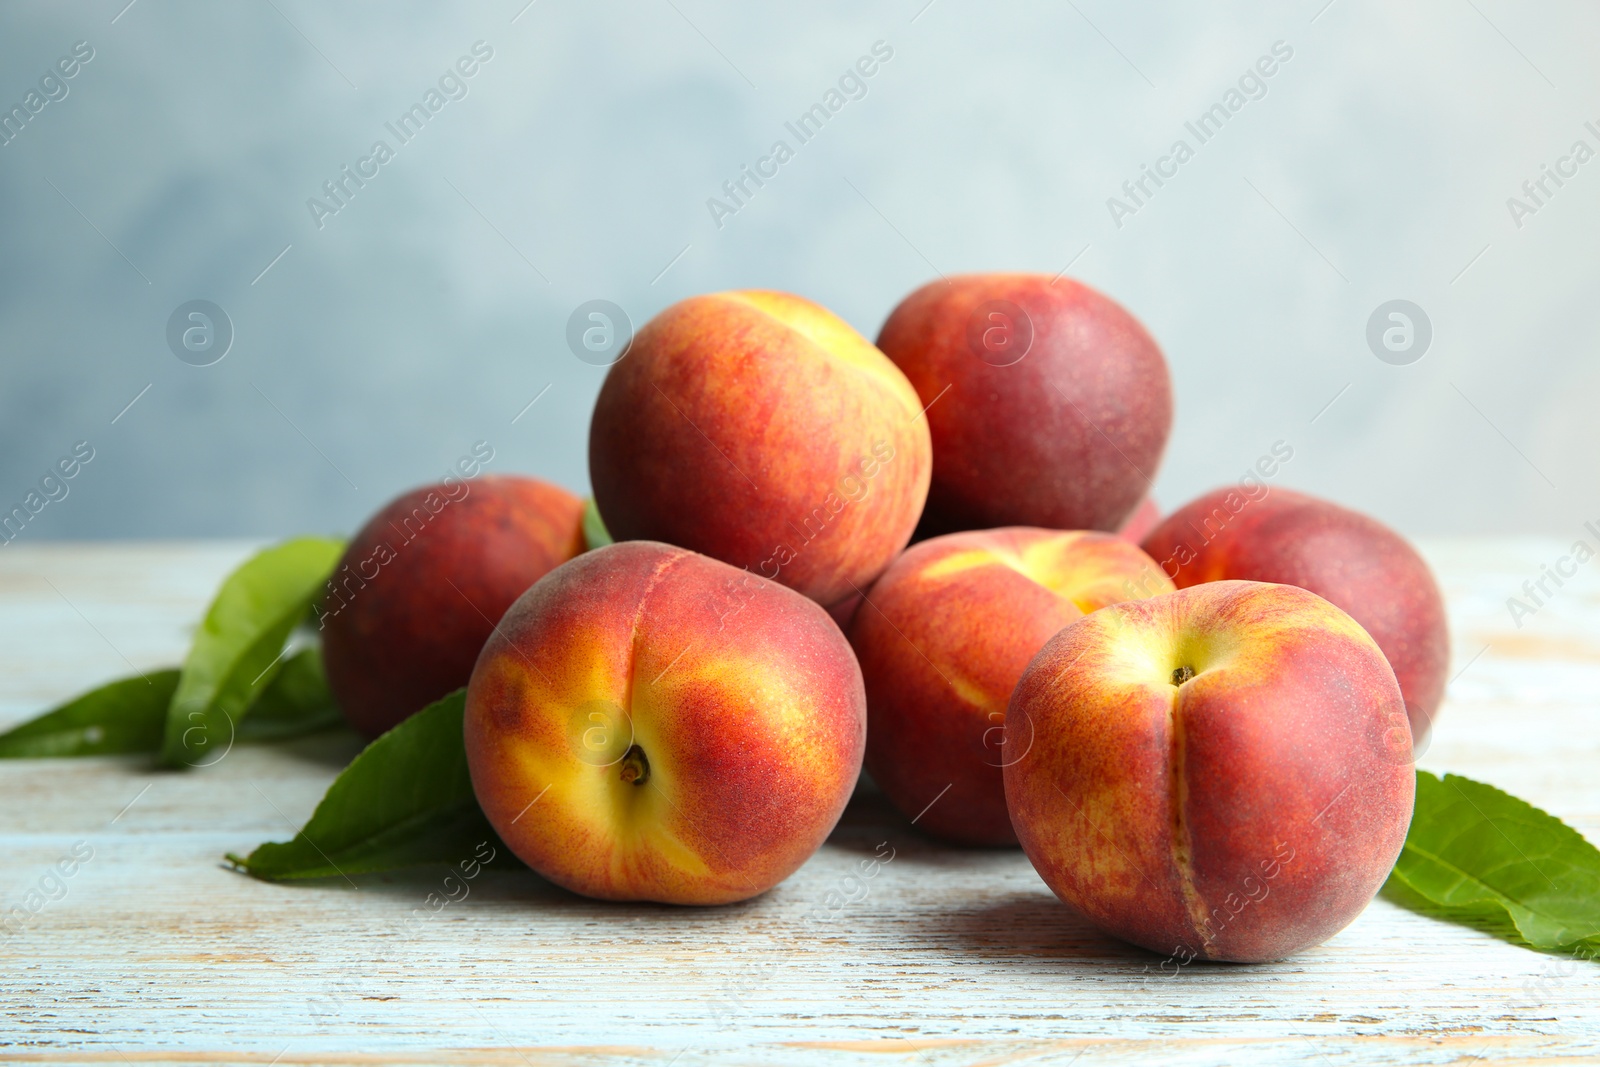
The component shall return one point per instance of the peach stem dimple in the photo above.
(1182, 674)
(635, 767)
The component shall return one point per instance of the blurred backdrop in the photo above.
(378, 312)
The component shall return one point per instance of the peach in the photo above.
(651, 724)
(943, 637)
(1058, 406)
(423, 583)
(1354, 561)
(760, 429)
(1212, 773)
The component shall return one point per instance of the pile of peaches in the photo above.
(1174, 718)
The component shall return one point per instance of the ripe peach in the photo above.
(1059, 401)
(760, 429)
(1212, 772)
(943, 637)
(423, 583)
(651, 724)
(1354, 561)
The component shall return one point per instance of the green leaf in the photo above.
(124, 716)
(236, 649)
(1482, 857)
(595, 534)
(129, 716)
(406, 800)
(295, 702)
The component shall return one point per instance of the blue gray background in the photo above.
(430, 310)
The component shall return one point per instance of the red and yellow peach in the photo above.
(650, 724)
(762, 430)
(1212, 773)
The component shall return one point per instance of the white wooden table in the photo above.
(157, 953)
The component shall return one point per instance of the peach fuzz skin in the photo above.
(1067, 437)
(422, 584)
(651, 724)
(1356, 562)
(942, 639)
(1244, 813)
(762, 430)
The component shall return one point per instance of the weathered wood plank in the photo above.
(155, 952)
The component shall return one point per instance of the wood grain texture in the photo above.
(157, 953)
